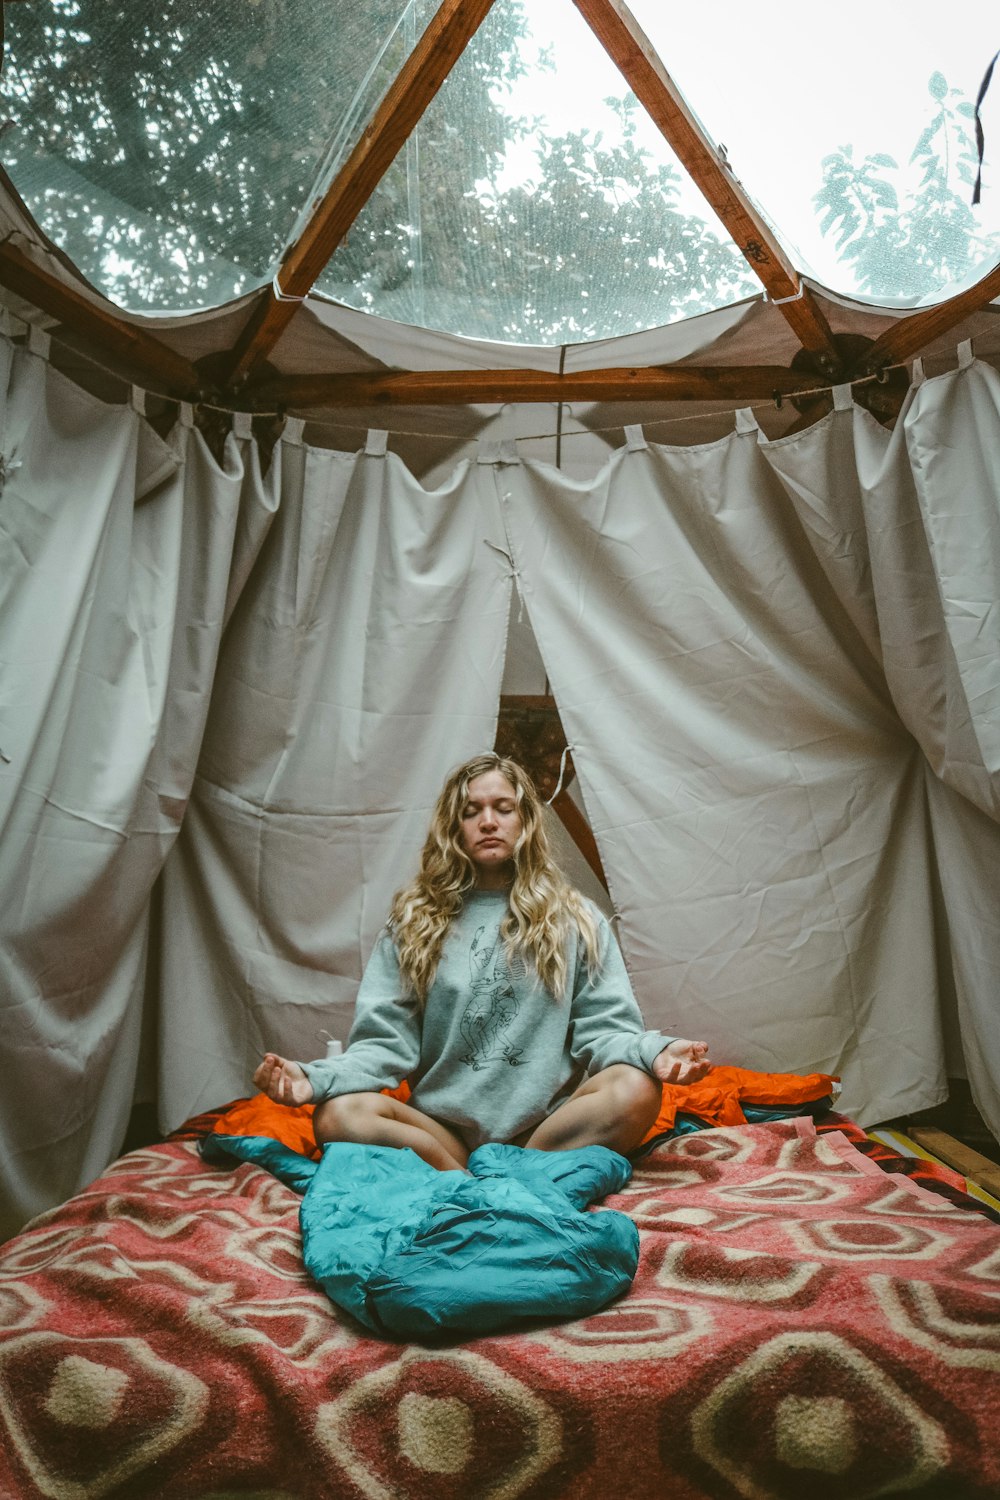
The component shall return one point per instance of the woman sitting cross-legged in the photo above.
(499, 993)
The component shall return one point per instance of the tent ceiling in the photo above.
(425, 163)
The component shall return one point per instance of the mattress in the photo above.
(802, 1323)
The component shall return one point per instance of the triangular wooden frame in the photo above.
(436, 53)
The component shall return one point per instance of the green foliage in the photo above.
(594, 244)
(913, 248)
(171, 148)
(173, 151)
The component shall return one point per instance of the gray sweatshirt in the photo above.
(492, 1053)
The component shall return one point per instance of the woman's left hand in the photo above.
(682, 1061)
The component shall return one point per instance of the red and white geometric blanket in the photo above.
(802, 1325)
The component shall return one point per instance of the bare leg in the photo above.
(377, 1120)
(614, 1108)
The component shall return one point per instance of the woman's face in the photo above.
(490, 827)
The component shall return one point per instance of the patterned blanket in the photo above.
(801, 1324)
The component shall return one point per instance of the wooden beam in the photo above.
(907, 337)
(580, 832)
(630, 49)
(972, 1164)
(496, 387)
(169, 372)
(426, 69)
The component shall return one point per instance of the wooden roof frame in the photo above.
(636, 59)
(451, 28)
(498, 387)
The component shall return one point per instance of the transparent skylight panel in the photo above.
(526, 208)
(852, 128)
(169, 148)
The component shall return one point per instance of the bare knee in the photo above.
(348, 1117)
(633, 1094)
(630, 1097)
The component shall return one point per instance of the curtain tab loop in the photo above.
(242, 424)
(185, 414)
(917, 376)
(292, 430)
(965, 354)
(38, 341)
(842, 398)
(376, 442)
(137, 400)
(635, 439)
(282, 296)
(745, 420)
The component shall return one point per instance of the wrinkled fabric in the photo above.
(414, 1253)
(732, 1096)
(778, 665)
(760, 652)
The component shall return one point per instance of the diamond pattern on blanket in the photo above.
(73, 1409)
(641, 1328)
(810, 1412)
(948, 1321)
(740, 1365)
(300, 1327)
(440, 1425)
(21, 1307)
(869, 1238)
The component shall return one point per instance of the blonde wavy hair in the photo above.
(544, 908)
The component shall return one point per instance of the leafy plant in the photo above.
(933, 237)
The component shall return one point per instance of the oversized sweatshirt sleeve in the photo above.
(605, 1021)
(384, 1044)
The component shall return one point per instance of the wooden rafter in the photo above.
(143, 354)
(426, 69)
(529, 730)
(906, 338)
(580, 832)
(489, 387)
(630, 49)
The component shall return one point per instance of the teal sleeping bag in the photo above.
(414, 1253)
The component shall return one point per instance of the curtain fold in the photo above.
(751, 643)
(362, 661)
(758, 805)
(228, 698)
(111, 618)
(361, 622)
(950, 643)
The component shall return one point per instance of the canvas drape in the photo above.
(758, 650)
(362, 624)
(363, 660)
(115, 564)
(778, 664)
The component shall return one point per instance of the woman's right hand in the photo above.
(283, 1081)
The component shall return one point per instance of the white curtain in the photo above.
(114, 563)
(751, 645)
(778, 663)
(362, 661)
(362, 624)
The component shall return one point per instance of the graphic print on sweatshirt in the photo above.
(488, 1015)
